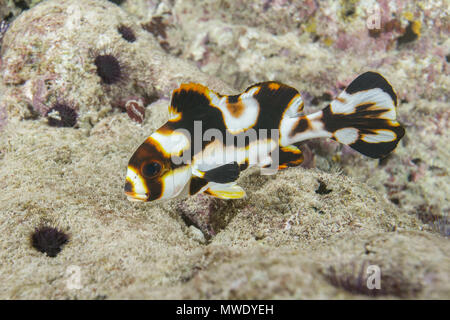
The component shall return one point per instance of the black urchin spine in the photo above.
(108, 68)
(48, 240)
(62, 114)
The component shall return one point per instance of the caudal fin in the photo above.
(363, 116)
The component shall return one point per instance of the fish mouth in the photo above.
(131, 193)
(136, 197)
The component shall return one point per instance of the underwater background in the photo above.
(84, 82)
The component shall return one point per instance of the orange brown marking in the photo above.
(175, 116)
(371, 106)
(166, 130)
(293, 150)
(192, 87)
(297, 162)
(301, 125)
(290, 156)
(149, 149)
(300, 107)
(236, 109)
(367, 105)
(274, 86)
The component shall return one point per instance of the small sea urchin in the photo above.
(48, 240)
(61, 114)
(108, 68)
(127, 33)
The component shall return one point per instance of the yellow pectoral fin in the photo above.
(226, 191)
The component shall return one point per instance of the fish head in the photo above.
(152, 173)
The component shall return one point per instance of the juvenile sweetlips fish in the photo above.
(210, 137)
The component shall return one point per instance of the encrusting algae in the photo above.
(302, 233)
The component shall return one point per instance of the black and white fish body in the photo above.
(210, 138)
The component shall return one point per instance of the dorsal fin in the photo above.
(189, 96)
(272, 94)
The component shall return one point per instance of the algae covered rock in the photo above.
(294, 208)
(89, 54)
(10, 9)
(410, 265)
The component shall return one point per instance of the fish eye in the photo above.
(151, 169)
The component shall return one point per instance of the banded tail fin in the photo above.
(363, 116)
